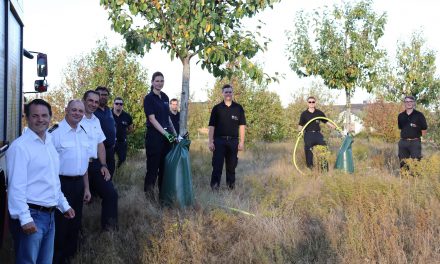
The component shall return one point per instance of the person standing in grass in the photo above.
(124, 126)
(312, 133)
(160, 133)
(227, 126)
(99, 175)
(34, 189)
(413, 126)
(175, 114)
(71, 142)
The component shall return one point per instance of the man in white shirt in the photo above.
(99, 176)
(71, 142)
(34, 189)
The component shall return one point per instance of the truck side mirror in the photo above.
(40, 86)
(42, 65)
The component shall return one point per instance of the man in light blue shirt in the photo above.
(34, 190)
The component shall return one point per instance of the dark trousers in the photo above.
(121, 151)
(110, 159)
(409, 149)
(312, 139)
(108, 194)
(67, 230)
(225, 151)
(156, 147)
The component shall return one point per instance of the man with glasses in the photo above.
(412, 125)
(226, 137)
(124, 126)
(312, 133)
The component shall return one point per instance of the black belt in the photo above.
(410, 139)
(228, 137)
(71, 178)
(42, 208)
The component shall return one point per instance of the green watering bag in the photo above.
(176, 187)
(344, 161)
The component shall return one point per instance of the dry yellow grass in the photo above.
(376, 215)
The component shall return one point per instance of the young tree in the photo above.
(415, 72)
(207, 29)
(117, 70)
(343, 51)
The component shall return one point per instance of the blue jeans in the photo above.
(37, 247)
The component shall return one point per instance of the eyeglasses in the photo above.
(227, 92)
(119, 103)
(103, 94)
(311, 102)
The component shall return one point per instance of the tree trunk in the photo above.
(184, 98)
(348, 110)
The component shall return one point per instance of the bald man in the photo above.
(71, 142)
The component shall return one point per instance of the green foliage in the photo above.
(263, 109)
(118, 71)
(198, 116)
(381, 120)
(208, 29)
(414, 73)
(343, 50)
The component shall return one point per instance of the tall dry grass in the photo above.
(377, 215)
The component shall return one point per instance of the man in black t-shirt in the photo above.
(227, 126)
(175, 114)
(412, 125)
(312, 133)
(124, 126)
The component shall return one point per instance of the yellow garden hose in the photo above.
(301, 134)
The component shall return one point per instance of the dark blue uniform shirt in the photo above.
(306, 116)
(175, 119)
(226, 119)
(107, 124)
(159, 107)
(411, 126)
(123, 121)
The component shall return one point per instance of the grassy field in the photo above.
(373, 216)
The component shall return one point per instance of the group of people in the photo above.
(52, 172)
(412, 125)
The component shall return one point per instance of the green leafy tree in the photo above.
(263, 109)
(207, 29)
(415, 72)
(340, 46)
(117, 70)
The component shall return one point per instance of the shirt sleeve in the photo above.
(399, 122)
(17, 162)
(148, 106)
(100, 137)
(323, 115)
(302, 120)
(63, 205)
(212, 118)
(242, 121)
(423, 124)
(130, 120)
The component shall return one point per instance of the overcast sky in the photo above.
(65, 29)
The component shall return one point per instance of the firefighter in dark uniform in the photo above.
(175, 114)
(124, 126)
(412, 125)
(227, 126)
(105, 116)
(312, 133)
(160, 133)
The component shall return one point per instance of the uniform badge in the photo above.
(234, 117)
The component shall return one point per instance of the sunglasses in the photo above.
(227, 92)
(119, 103)
(311, 102)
